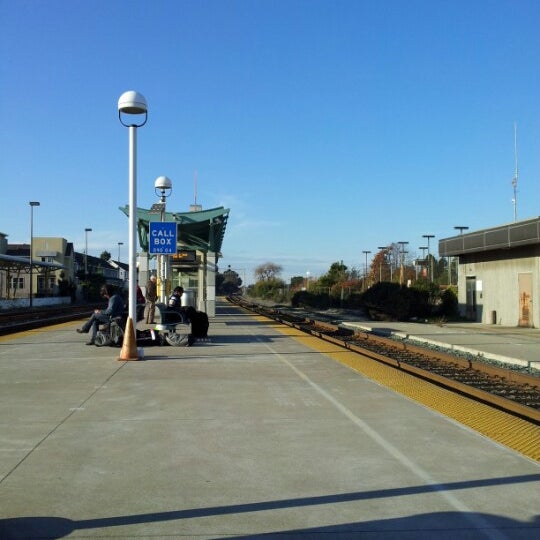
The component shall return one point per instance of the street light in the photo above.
(428, 236)
(132, 103)
(401, 272)
(383, 249)
(423, 248)
(86, 231)
(365, 275)
(459, 228)
(163, 189)
(32, 204)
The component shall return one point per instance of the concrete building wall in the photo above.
(496, 278)
(53, 249)
(209, 299)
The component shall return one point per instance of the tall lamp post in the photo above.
(423, 248)
(119, 269)
(32, 204)
(402, 261)
(86, 231)
(365, 274)
(383, 249)
(428, 236)
(459, 228)
(130, 104)
(163, 189)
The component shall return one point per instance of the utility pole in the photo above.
(366, 272)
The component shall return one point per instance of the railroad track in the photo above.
(18, 321)
(514, 392)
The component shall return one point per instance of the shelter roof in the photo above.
(512, 235)
(12, 263)
(202, 230)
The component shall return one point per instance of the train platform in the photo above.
(515, 345)
(258, 431)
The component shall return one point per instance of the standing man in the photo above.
(151, 298)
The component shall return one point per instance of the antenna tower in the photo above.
(515, 179)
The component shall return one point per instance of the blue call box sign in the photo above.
(162, 239)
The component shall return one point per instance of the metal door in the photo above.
(525, 299)
(471, 298)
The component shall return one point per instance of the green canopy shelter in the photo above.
(202, 230)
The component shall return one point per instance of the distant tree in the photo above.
(228, 283)
(336, 274)
(105, 255)
(380, 267)
(269, 289)
(297, 282)
(268, 271)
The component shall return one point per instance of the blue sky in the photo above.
(326, 127)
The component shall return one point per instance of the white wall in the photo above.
(500, 288)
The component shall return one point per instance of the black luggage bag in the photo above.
(199, 324)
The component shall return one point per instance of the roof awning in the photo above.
(512, 235)
(10, 263)
(203, 230)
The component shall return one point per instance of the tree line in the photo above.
(393, 286)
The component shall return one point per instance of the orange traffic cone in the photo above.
(129, 346)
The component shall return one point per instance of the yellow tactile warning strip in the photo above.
(23, 333)
(499, 426)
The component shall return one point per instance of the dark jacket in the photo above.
(175, 301)
(151, 291)
(115, 307)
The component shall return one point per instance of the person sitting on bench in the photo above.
(175, 300)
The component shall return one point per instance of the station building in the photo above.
(52, 263)
(193, 265)
(498, 273)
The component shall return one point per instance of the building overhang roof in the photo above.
(11, 263)
(512, 235)
(202, 230)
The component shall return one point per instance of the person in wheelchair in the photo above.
(115, 308)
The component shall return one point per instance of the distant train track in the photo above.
(506, 389)
(29, 319)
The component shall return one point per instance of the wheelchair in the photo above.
(112, 332)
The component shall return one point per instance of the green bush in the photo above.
(309, 299)
(269, 289)
(449, 303)
(396, 302)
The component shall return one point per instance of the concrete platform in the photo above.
(515, 345)
(250, 434)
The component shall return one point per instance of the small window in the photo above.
(16, 283)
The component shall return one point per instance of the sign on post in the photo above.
(162, 238)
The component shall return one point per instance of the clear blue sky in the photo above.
(327, 127)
